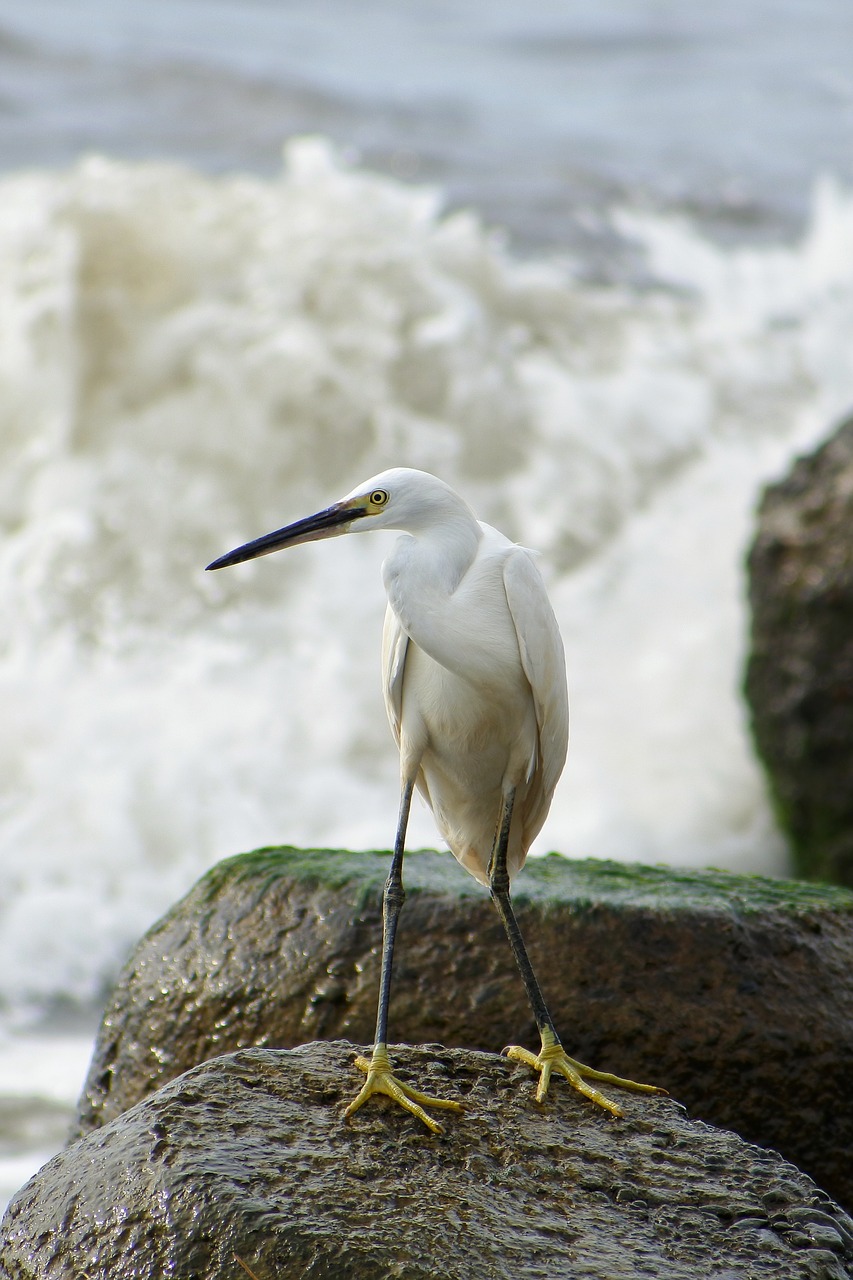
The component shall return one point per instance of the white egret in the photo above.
(475, 690)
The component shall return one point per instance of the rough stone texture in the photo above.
(247, 1155)
(732, 992)
(799, 680)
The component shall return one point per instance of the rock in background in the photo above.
(247, 1157)
(799, 680)
(732, 992)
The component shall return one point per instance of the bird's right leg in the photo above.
(380, 1078)
(552, 1056)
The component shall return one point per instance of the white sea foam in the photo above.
(41, 1075)
(187, 362)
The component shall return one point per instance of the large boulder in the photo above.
(732, 992)
(799, 679)
(247, 1158)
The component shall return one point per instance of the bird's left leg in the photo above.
(380, 1078)
(552, 1056)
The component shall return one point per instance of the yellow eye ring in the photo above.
(378, 498)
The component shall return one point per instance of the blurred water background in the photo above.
(591, 264)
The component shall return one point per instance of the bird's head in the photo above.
(397, 499)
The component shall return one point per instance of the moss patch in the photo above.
(553, 878)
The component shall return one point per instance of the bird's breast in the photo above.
(470, 727)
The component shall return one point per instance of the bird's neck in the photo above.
(424, 570)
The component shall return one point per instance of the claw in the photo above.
(553, 1057)
(380, 1079)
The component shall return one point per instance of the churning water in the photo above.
(202, 346)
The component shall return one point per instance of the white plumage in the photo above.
(473, 671)
(475, 689)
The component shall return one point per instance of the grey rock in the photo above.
(246, 1157)
(732, 992)
(799, 679)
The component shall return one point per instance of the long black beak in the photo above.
(325, 524)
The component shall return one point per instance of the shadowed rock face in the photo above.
(799, 679)
(247, 1155)
(732, 992)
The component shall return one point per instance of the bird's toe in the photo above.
(381, 1079)
(552, 1057)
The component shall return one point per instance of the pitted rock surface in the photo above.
(247, 1157)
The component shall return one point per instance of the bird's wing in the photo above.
(544, 663)
(395, 642)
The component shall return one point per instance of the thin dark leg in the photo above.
(499, 889)
(552, 1056)
(380, 1078)
(392, 902)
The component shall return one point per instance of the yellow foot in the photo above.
(553, 1057)
(380, 1079)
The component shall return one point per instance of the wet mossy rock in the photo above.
(733, 992)
(247, 1156)
(799, 680)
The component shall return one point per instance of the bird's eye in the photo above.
(378, 498)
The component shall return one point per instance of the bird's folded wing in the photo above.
(543, 660)
(395, 642)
